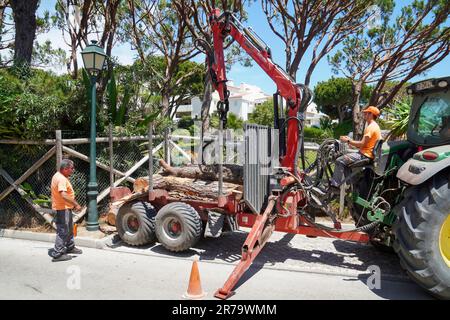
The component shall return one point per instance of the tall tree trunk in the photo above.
(107, 40)
(73, 54)
(165, 103)
(24, 12)
(358, 122)
(206, 103)
(341, 113)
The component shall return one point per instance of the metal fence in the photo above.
(27, 167)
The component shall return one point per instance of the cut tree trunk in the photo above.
(187, 188)
(231, 173)
(184, 184)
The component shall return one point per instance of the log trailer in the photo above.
(276, 194)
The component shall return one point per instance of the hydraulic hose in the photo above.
(364, 228)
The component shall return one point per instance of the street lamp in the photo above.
(93, 59)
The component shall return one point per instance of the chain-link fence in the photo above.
(20, 157)
(128, 159)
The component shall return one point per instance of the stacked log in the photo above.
(231, 173)
(198, 183)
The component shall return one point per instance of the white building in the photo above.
(313, 116)
(243, 99)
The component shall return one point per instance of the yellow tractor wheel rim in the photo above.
(444, 241)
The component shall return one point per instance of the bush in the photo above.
(343, 129)
(185, 122)
(314, 133)
(34, 107)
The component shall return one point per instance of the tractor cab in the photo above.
(428, 130)
(429, 119)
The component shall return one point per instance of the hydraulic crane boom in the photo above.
(296, 95)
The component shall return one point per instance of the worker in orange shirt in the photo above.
(63, 202)
(371, 135)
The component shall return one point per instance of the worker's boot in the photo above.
(63, 257)
(75, 250)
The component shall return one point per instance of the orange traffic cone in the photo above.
(194, 291)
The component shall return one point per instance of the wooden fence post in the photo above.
(150, 156)
(167, 146)
(58, 137)
(111, 154)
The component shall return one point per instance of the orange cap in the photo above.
(373, 110)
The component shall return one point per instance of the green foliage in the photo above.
(116, 112)
(335, 97)
(343, 129)
(263, 114)
(31, 108)
(394, 49)
(398, 117)
(45, 55)
(185, 122)
(327, 125)
(233, 121)
(41, 200)
(313, 133)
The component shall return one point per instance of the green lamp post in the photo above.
(93, 58)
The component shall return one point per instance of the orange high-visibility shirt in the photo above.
(61, 183)
(373, 132)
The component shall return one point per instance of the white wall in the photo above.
(242, 100)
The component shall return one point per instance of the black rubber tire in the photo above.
(189, 220)
(145, 215)
(421, 215)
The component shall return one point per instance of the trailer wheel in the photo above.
(178, 226)
(422, 234)
(135, 223)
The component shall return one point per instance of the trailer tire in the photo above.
(178, 226)
(135, 223)
(422, 234)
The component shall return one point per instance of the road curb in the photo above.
(50, 237)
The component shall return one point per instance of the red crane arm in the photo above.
(226, 24)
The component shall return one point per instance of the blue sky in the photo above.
(252, 75)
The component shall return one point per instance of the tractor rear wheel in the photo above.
(178, 226)
(422, 234)
(135, 223)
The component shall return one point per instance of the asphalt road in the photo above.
(320, 269)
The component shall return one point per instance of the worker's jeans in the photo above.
(64, 233)
(341, 167)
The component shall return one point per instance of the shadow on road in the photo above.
(296, 252)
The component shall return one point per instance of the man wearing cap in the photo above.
(63, 202)
(372, 134)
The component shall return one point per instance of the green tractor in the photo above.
(407, 189)
(402, 197)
